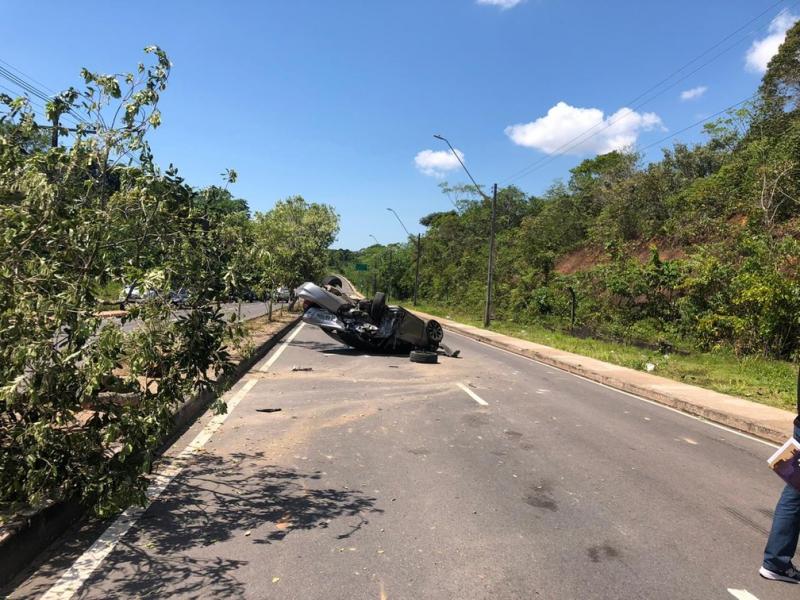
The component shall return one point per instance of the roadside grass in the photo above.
(758, 379)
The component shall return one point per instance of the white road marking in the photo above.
(73, 579)
(473, 395)
(613, 389)
(741, 594)
(271, 361)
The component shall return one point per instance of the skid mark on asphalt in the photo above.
(746, 520)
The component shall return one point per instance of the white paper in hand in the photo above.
(786, 462)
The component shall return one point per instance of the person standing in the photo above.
(782, 542)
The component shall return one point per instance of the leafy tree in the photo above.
(293, 240)
(84, 404)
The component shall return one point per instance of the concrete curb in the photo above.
(765, 422)
(19, 549)
(195, 406)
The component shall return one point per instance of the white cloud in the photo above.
(693, 93)
(437, 162)
(761, 51)
(503, 4)
(556, 131)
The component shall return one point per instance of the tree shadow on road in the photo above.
(218, 506)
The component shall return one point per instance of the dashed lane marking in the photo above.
(473, 395)
(741, 594)
(608, 387)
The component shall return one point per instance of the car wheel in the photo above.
(423, 356)
(332, 280)
(434, 331)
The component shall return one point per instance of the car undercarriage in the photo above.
(371, 325)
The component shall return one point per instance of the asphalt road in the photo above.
(373, 477)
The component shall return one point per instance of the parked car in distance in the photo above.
(179, 297)
(243, 295)
(130, 294)
(282, 294)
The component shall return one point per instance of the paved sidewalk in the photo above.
(760, 420)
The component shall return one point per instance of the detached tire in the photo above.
(378, 307)
(423, 356)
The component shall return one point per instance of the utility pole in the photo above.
(56, 106)
(54, 131)
(389, 292)
(416, 276)
(487, 315)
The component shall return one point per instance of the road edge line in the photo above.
(20, 550)
(73, 579)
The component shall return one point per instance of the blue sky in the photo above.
(334, 100)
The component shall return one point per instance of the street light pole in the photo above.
(416, 276)
(487, 313)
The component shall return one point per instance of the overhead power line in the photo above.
(696, 123)
(28, 77)
(22, 82)
(603, 125)
(38, 105)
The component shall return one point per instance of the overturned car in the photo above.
(371, 325)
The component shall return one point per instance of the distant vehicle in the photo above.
(243, 295)
(283, 294)
(179, 297)
(135, 294)
(130, 293)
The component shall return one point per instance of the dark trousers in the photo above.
(782, 541)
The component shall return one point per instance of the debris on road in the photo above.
(296, 368)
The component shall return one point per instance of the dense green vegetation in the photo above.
(84, 404)
(697, 251)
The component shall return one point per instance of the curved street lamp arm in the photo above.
(458, 158)
(391, 210)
